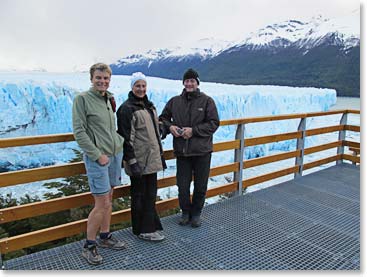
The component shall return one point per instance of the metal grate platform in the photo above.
(309, 223)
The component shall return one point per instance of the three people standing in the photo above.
(191, 117)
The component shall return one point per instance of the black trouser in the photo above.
(144, 216)
(199, 167)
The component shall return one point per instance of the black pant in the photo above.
(144, 216)
(199, 167)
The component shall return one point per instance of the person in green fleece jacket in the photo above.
(95, 131)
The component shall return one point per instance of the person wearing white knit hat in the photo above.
(136, 77)
(137, 122)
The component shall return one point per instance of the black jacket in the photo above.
(198, 111)
(137, 122)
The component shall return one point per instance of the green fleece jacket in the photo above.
(94, 125)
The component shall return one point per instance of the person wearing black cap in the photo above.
(192, 118)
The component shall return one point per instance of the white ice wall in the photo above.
(40, 103)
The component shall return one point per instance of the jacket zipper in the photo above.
(110, 117)
(188, 140)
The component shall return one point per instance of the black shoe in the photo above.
(196, 221)
(184, 220)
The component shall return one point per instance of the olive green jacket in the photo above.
(94, 125)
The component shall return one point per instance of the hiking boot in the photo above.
(155, 236)
(111, 243)
(91, 255)
(196, 221)
(184, 220)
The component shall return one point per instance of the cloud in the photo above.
(63, 35)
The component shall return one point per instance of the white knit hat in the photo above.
(136, 77)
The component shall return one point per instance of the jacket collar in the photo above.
(144, 102)
(98, 94)
(191, 95)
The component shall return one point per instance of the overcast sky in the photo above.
(62, 35)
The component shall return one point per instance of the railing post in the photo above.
(301, 146)
(340, 150)
(238, 156)
(2, 266)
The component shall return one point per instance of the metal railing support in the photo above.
(301, 146)
(2, 265)
(238, 156)
(340, 150)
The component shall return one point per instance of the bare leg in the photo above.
(102, 204)
(105, 226)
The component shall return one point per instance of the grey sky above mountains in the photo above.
(66, 35)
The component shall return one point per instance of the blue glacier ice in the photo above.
(40, 103)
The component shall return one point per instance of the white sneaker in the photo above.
(155, 236)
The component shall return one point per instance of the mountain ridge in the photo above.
(314, 49)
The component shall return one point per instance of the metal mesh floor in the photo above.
(309, 223)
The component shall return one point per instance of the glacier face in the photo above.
(40, 103)
(34, 108)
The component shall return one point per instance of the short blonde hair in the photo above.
(100, 67)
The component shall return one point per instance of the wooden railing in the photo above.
(237, 168)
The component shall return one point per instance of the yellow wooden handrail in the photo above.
(64, 203)
(32, 140)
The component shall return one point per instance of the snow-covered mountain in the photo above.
(318, 53)
(204, 48)
(342, 31)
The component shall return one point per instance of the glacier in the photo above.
(39, 103)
